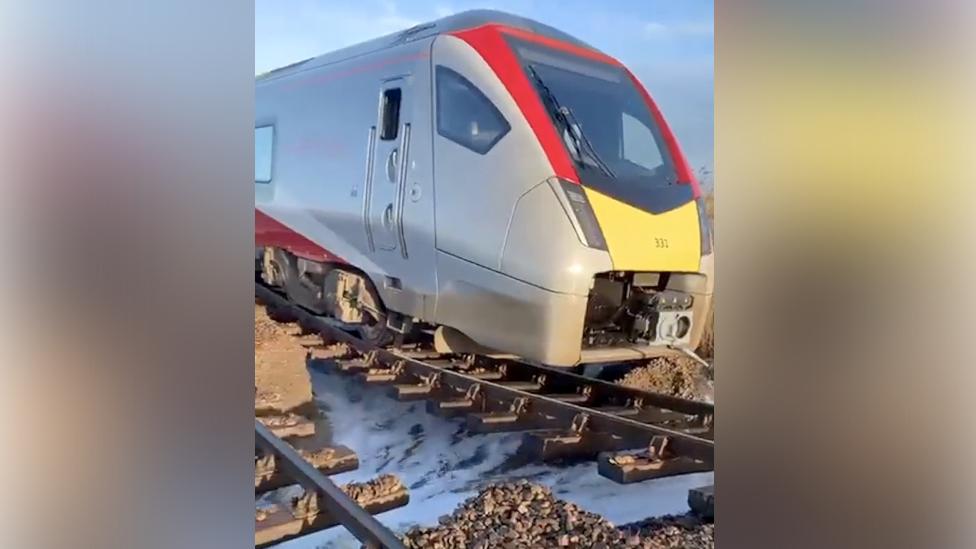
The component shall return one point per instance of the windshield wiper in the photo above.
(586, 140)
(557, 110)
(575, 130)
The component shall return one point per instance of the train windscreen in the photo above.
(606, 126)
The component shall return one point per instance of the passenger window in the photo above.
(390, 114)
(639, 145)
(465, 115)
(263, 152)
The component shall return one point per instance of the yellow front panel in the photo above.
(641, 241)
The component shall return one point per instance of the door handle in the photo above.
(392, 166)
(368, 186)
(402, 187)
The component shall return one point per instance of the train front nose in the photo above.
(616, 282)
(640, 240)
(658, 293)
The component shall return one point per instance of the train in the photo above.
(487, 180)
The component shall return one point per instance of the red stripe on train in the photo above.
(681, 166)
(271, 232)
(487, 40)
(559, 45)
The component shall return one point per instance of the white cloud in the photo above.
(678, 29)
(654, 28)
(444, 11)
(392, 20)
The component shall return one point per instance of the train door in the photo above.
(386, 181)
(398, 198)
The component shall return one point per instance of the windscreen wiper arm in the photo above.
(586, 140)
(557, 110)
(562, 115)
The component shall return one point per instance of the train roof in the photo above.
(459, 21)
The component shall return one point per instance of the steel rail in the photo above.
(606, 388)
(334, 501)
(684, 443)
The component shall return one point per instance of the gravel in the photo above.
(288, 420)
(521, 514)
(681, 377)
(336, 351)
(319, 455)
(685, 531)
(381, 486)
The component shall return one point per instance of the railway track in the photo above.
(634, 435)
(322, 504)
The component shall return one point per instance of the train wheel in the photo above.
(375, 331)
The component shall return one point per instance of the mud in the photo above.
(281, 380)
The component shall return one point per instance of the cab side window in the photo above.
(465, 115)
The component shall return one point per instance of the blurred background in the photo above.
(127, 230)
(845, 260)
(845, 249)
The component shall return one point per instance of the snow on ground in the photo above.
(442, 466)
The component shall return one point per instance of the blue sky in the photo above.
(667, 44)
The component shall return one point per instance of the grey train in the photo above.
(486, 179)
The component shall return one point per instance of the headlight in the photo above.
(580, 213)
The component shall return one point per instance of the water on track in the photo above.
(443, 466)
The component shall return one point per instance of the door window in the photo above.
(390, 118)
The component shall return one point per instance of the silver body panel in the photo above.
(325, 120)
(503, 313)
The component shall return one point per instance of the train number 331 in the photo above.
(660, 242)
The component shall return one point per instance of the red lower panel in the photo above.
(270, 232)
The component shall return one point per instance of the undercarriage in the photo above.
(626, 308)
(334, 290)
